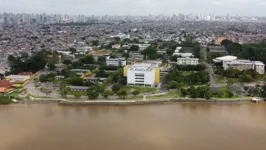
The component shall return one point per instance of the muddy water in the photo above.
(179, 126)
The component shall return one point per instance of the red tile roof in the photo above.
(5, 84)
(25, 73)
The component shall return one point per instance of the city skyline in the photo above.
(135, 7)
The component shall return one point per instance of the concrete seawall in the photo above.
(70, 103)
(128, 102)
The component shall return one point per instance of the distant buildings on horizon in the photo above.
(24, 18)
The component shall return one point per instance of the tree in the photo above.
(170, 52)
(107, 93)
(193, 92)
(95, 43)
(47, 78)
(246, 78)
(24, 55)
(226, 42)
(77, 64)
(208, 94)
(92, 94)
(51, 66)
(134, 48)
(135, 92)
(64, 92)
(77, 95)
(76, 81)
(46, 91)
(122, 93)
(88, 59)
(72, 50)
(171, 85)
(184, 92)
(67, 62)
(116, 88)
(150, 53)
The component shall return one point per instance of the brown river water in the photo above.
(177, 126)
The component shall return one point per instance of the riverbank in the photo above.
(128, 102)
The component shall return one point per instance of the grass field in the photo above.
(73, 93)
(15, 93)
(202, 54)
(168, 95)
(141, 89)
(186, 73)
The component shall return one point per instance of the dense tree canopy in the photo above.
(34, 63)
(134, 48)
(88, 59)
(256, 51)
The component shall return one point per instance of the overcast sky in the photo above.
(137, 7)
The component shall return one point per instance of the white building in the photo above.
(187, 61)
(178, 53)
(224, 59)
(123, 36)
(245, 65)
(141, 46)
(143, 74)
(184, 55)
(115, 61)
(18, 78)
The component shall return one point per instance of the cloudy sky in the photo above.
(137, 7)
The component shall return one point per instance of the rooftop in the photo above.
(5, 84)
(248, 62)
(224, 58)
(143, 67)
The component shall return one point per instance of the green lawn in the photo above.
(168, 95)
(73, 93)
(186, 73)
(202, 54)
(141, 89)
(15, 93)
(219, 79)
(223, 89)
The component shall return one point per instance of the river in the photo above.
(177, 126)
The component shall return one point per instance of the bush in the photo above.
(5, 100)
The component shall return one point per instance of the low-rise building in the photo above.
(116, 46)
(217, 49)
(59, 78)
(187, 61)
(78, 88)
(245, 65)
(143, 74)
(115, 61)
(5, 86)
(18, 78)
(181, 54)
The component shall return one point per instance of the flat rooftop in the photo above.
(143, 67)
(245, 62)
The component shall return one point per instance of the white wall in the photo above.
(149, 77)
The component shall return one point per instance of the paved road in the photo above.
(210, 70)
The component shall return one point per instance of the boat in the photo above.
(256, 100)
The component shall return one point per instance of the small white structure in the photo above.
(184, 55)
(115, 61)
(225, 58)
(78, 88)
(187, 61)
(256, 100)
(141, 46)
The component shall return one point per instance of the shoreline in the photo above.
(127, 102)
